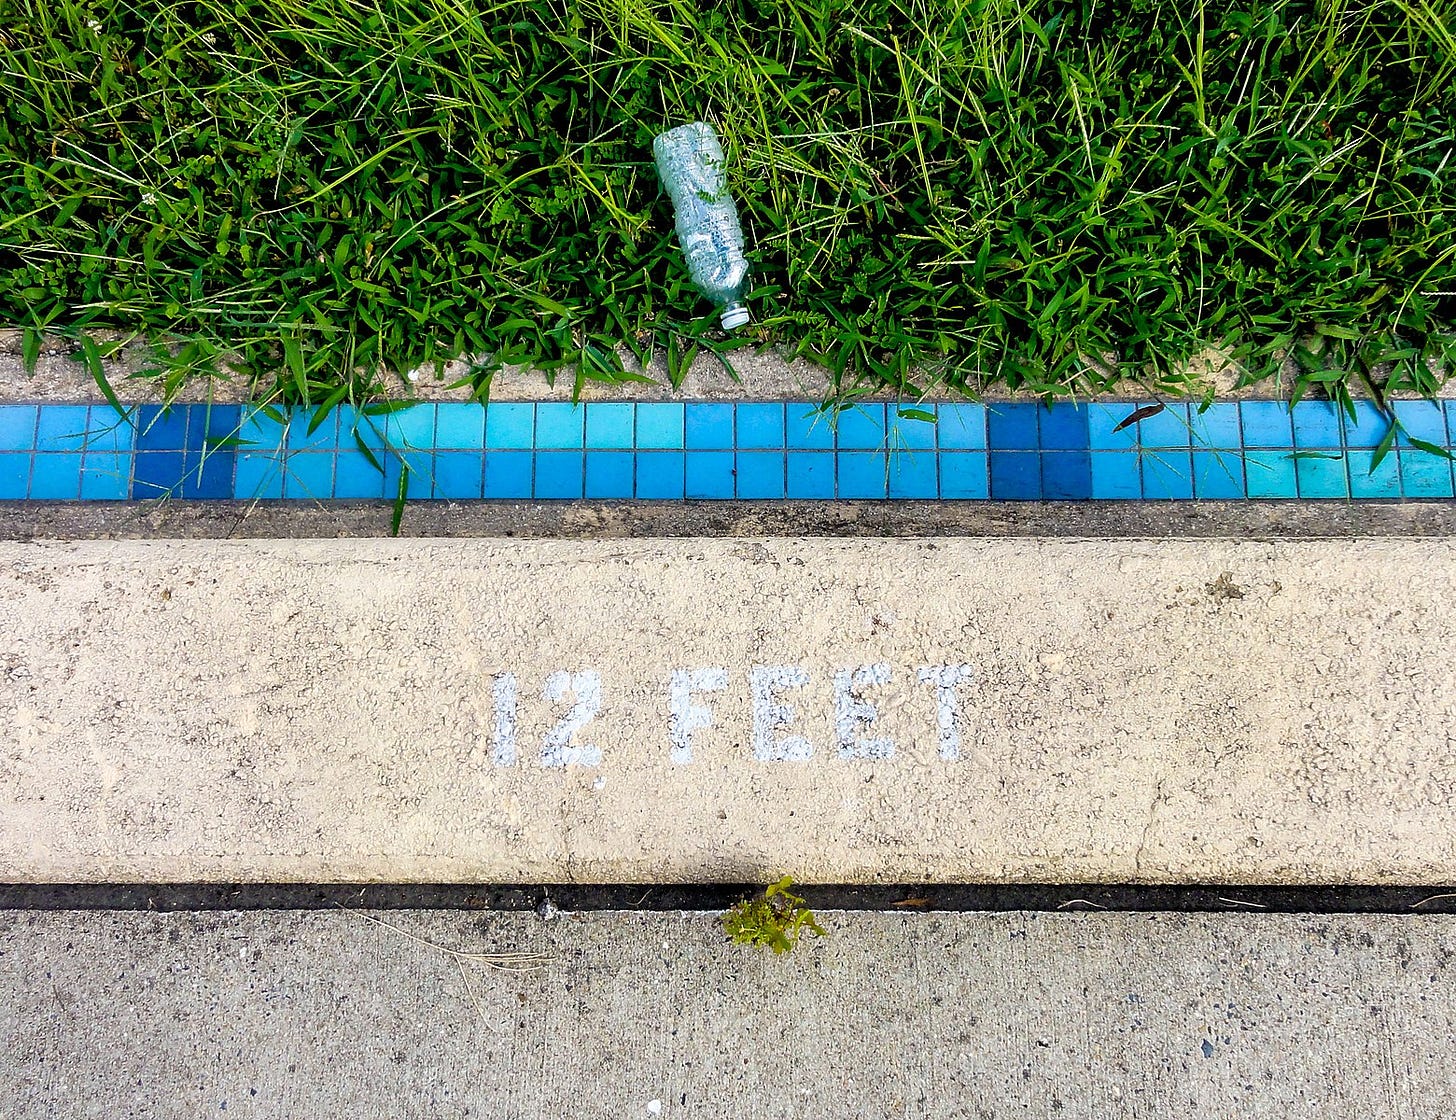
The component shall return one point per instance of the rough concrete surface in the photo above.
(1116, 711)
(1077, 1017)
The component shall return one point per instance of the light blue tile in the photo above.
(14, 474)
(560, 425)
(56, 476)
(1167, 475)
(709, 475)
(909, 432)
(559, 474)
(1423, 420)
(1369, 426)
(262, 429)
(409, 428)
(460, 475)
(964, 474)
(1218, 475)
(609, 424)
(1450, 423)
(509, 425)
(1267, 424)
(1116, 475)
(1319, 476)
(106, 476)
(63, 427)
(709, 427)
(360, 425)
(1317, 425)
(1422, 475)
(309, 474)
(460, 426)
(609, 474)
(760, 425)
(507, 473)
(17, 427)
(259, 475)
(1102, 427)
(1382, 482)
(323, 438)
(811, 474)
(1269, 474)
(356, 477)
(913, 474)
(860, 427)
(961, 426)
(1169, 428)
(419, 464)
(1217, 428)
(660, 426)
(760, 475)
(863, 474)
(660, 475)
(809, 426)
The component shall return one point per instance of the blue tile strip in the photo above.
(750, 450)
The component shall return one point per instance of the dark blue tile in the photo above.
(660, 475)
(155, 473)
(62, 427)
(560, 425)
(860, 427)
(1422, 475)
(160, 428)
(259, 475)
(356, 477)
(211, 424)
(325, 437)
(709, 475)
(1167, 474)
(460, 426)
(1270, 474)
(760, 474)
(809, 426)
(309, 474)
(914, 474)
(56, 476)
(460, 474)
(1015, 475)
(709, 427)
(811, 474)
(507, 473)
(106, 476)
(509, 424)
(1117, 475)
(17, 427)
(209, 474)
(660, 426)
(1317, 426)
(1422, 420)
(1168, 427)
(1066, 475)
(961, 426)
(760, 425)
(1267, 424)
(1369, 481)
(1218, 475)
(559, 474)
(609, 424)
(609, 474)
(1368, 428)
(964, 474)
(1064, 428)
(14, 474)
(1011, 427)
(863, 474)
(1321, 476)
(909, 428)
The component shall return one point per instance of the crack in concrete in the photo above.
(1137, 855)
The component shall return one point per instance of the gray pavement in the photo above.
(325, 1014)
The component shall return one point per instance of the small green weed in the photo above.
(774, 920)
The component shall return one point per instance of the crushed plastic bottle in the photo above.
(690, 164)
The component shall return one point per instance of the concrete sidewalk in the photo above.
(1079, 1017)
(728, 710)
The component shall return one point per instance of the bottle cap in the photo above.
(735, 316)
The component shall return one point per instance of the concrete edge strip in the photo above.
(901, 898)
(1140, 519)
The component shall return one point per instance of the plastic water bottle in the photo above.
(690, 164)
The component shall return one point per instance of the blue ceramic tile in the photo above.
(1451, 422)
(1317, 426)
(161, 429)
(961, 426)
(1267, 424)
(660, 475)
(411, 427)
(1381, 482)
(1064, 427)
(259, 431)
(709, 475)
(309, 474)
(211, 424)
(1369, 426)
(862, 474)
(860, 427)
(560, 425)
(207, 474)
(357, 425)
(355, 476)
(419, 464)
(1011, 427)
(17, 427)
(808, 427)
(660, 425)
(1015, 475)
(1167, 475)
(558, 474)
(1116, 475)
(107, 430)
(760, 426)
(459, 474)
(913, 474)
(910, 433)
(609, 474)
(507, 473)
(1066, 475)
(1169, 428)
(460, 426)
(1422, 475)
(1269, 474)
(259, 474)
(324, 438)
(509, 425)
(155, 473)
(62, 427)
(1218, 475)
(14, 474)
(964, 474)
(1320, 477)
(106, 476)
(56, 476)
(1424, 420)
(811, 474)
(1103, 432)
(609, 424)
(709, 427)
(1217, 428)
(760, 474)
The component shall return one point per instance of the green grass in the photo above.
(953, 190)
